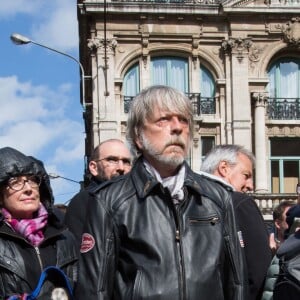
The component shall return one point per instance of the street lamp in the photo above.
(19, 39)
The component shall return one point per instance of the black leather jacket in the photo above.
(21, 264)
(138, 245)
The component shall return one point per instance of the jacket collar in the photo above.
(144, 183)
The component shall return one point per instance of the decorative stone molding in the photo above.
(208, 131)
(292, 32)
(260, 98)
(255, 54)
(281, 130)
(238, 45)
(99, 43)
(196, 142)
(195, 47)
(145, 51)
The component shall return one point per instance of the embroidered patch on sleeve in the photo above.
(87, 243)
(240, 235)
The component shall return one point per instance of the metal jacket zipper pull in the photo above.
(37, 250)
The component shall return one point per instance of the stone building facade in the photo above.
(237, 60)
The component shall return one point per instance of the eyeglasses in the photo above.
(114, 160)
(18, 183)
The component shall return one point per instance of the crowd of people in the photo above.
(147, 226)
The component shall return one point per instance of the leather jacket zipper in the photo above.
(181, 261)
(37, 250)
(212, 220)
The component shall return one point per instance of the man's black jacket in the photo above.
(258, 253)
(77, 210)
(138, 245)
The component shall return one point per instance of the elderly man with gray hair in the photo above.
(161, 231)
(234, 164)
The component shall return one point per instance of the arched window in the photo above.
(171, 71)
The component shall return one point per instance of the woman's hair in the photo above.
(228, 153)
(150, 99)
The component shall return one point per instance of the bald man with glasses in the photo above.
(110, 159)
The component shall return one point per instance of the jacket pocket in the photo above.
(204, 221)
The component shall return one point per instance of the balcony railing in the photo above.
(283, 109)
(201, 105)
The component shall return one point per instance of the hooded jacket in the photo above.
(138, 245)
(21, 263)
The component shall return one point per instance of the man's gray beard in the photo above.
(170, 160)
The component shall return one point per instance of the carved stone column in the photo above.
(238, 50)
(259, 100)
(105, 111)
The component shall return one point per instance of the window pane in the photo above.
(291, 175)
(207, 143)
(288, 79)
(271, 85)
(275, 176)
(159, 71)
(284, 79)
(131, 81)
(171, 71)
(285, 147)
(207, 84)
(285, 164)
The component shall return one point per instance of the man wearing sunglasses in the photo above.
(109, 159)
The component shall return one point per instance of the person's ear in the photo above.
(138, 140)
(93, 168)
(223, 168)
(277, 223)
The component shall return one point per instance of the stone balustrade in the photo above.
(266, 202)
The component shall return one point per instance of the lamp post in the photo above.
(19, 39)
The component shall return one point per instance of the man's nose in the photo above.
(120, 165)
(176, 125)
(249, 185)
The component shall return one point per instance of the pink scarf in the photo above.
(31, 229)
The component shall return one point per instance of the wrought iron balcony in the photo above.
(283, 109)
(201, 105)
